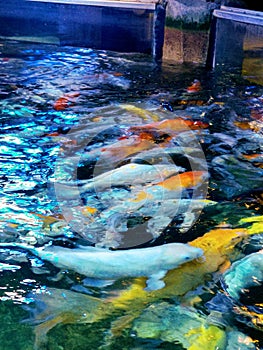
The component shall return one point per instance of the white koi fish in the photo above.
(103, 264)
(243, 274)
(131, 174)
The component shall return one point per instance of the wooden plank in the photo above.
(132, 4)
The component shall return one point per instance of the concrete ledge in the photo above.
(131, 4)
(239, 15)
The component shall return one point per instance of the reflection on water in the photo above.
(253, 54)
(114, 151)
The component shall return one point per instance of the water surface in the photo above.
(60, 108)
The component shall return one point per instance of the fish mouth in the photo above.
(201, 259)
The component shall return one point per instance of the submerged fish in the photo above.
(150, 199)
(192, 330)
(123, 148)
(131, 174)
(48, 220)
(171, 125)
(60, 306)
(143, 113)
(170, 188)
(157, 203)
(105, 264)
(217, 245)
(65, 101)
(194, 87)
(243, 274)
(181, 324)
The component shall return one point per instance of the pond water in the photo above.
(88, 158)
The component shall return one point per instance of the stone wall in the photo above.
(195, 14)
(189, 14)
(187, 28)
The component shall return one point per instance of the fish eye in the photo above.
(187, 258)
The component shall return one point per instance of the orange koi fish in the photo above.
(170, 125)
(127, 146)
(174, 183)
(255, 157)
(194, 87)
(255, 125)
(185, 180)
(65, 101)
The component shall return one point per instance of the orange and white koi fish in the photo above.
(125, 147)
(172, 186)
(194, 87)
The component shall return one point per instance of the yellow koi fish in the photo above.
(143, 113)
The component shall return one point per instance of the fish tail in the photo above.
(18, 245)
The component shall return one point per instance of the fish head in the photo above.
(175, 254)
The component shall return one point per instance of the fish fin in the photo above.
(42, 329)
(94, 282)
(154, 282)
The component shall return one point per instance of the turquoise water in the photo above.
(62, 110)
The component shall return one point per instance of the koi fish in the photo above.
(105, 264)
(255, 157)
(193, 331)
(131, 174)
(257, 224)
(255, 125)
(158, 203)
(55, 306)
(143, 113)
(171, 187)
(188, 179)
(194, 87)
(125, 147)
(48, 220)
(117, 151)
(164, 190)
(171, 125)
(217, 245)
(243, 274)
(239, 278)
(158, 215)
(64, 101)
